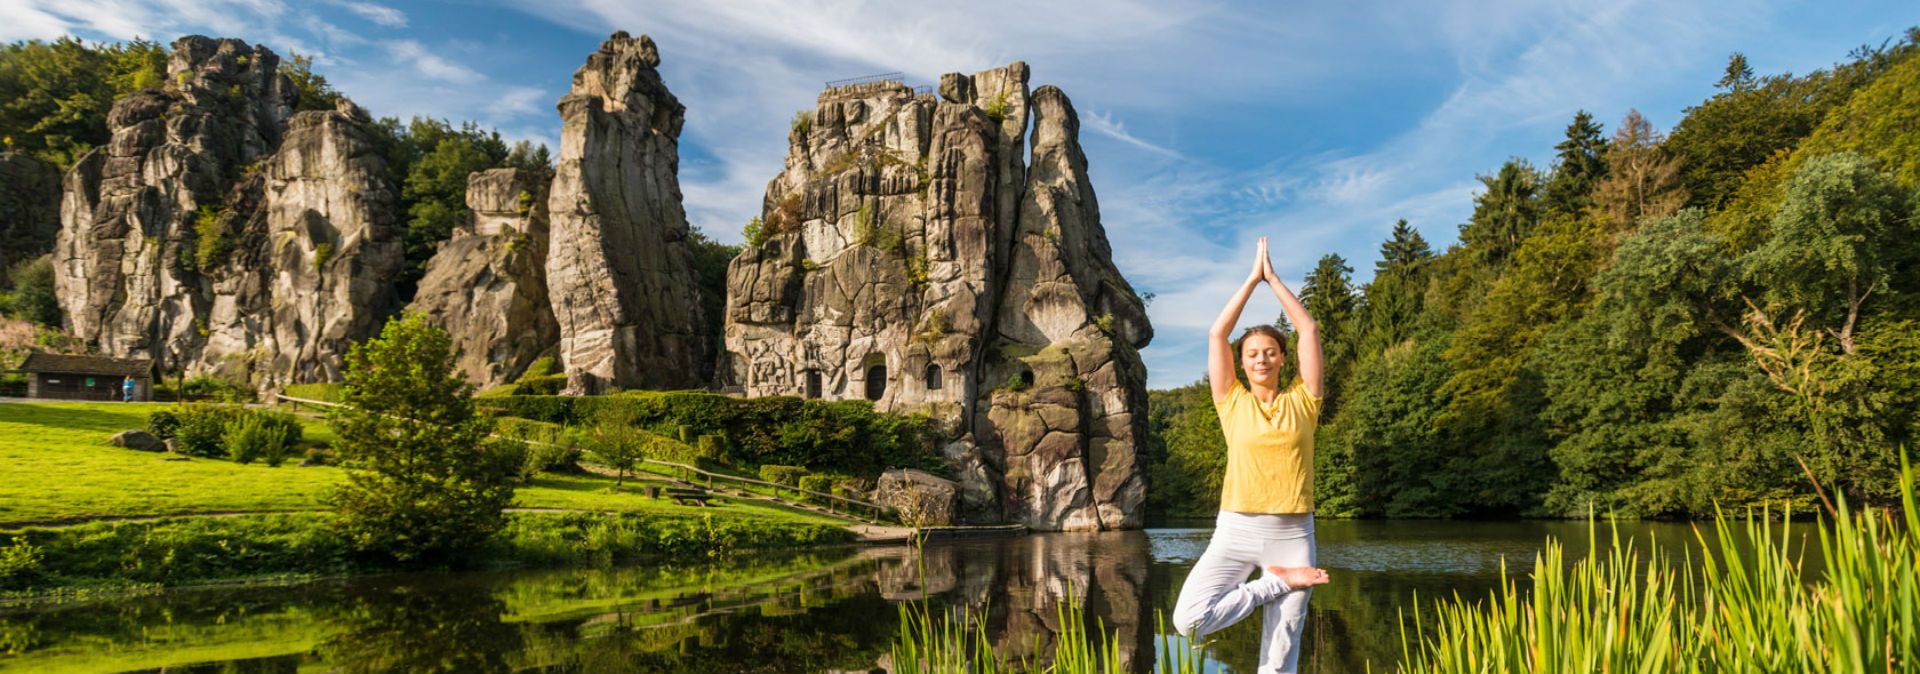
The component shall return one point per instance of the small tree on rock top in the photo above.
(426, 480)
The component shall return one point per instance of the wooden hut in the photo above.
(52, 375)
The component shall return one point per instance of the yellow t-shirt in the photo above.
(1269, 450)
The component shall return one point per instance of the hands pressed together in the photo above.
(1263, 266)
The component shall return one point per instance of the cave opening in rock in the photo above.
(813, 384)
(876, 381)
(933, 377)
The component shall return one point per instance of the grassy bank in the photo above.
(193, 550)
(77, 513)
(58, 468)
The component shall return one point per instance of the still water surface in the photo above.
(825, 611)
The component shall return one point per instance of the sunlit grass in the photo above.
(56, 466)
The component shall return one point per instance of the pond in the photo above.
(824, 611)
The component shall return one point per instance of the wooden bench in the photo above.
(688, 497)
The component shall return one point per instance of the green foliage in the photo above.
(787, 475)
(1328, 295)
(211, 239)
(321, 254)
(1187, 457)
(755, 233)
(324, 392)
(1016, 382)
(1580, 166)
(616, 441)
(838, 436)
(427, 482)
(315, 93)
(54, 96)
(19, 564)
(163, 423)
(802, 123)
(997, 108)
(202, 429)
(32, 298)
(917, 271)
(710, 261)
(1748, 605)
(266, 436)
(1504, 214)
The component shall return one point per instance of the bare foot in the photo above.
(1297, 577)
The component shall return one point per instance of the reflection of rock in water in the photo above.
(1023, 585)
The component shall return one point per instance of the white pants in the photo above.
(1217, 592)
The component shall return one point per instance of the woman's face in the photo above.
(1261, 358)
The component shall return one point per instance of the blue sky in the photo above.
(1206, 125)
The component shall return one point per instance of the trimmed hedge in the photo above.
(839, 436)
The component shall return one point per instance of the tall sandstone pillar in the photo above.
(619, 272)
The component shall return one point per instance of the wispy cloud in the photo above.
(413, 54)
(379, 14)
(1104, 124)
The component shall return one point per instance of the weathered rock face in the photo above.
(919, 498)
(915, 260)
(619, 272)
(487, 285)
(217, 231)
(29, 208)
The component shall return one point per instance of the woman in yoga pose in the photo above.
(1266, 501)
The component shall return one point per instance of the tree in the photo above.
(616, 439)
(54, 96)
(1503, 215)
(424, 481)
(315, 92)
(1329, 298)
(1642, 181)
(1580, 165)
(1739, 76)
(32, 298)
(1394, 297)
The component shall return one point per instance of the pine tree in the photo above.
(1739, 77)
(1503, 215)
(1581, 165)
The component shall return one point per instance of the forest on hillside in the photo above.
(1654, 325)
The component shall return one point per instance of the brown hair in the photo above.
(1267, 330)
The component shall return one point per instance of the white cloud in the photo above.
(1104, 124)
(413, 54)
(380, 14)
(517, 100)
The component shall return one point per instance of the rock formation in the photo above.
(487, 285)
(913, 259)
(29, 208)
(619, 271)
(218, 231)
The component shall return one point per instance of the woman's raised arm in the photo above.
(1307, 352)
(1220, 353)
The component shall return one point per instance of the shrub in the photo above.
(267, 436)
(787, 475)
(550, 458)
(209, 387)
(819, 483)
(19, 564)
(162, 424)
(202, 429)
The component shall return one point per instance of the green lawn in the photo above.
(55, 466)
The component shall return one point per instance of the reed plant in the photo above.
(1744, 607)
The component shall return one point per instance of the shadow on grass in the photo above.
(97, 417)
